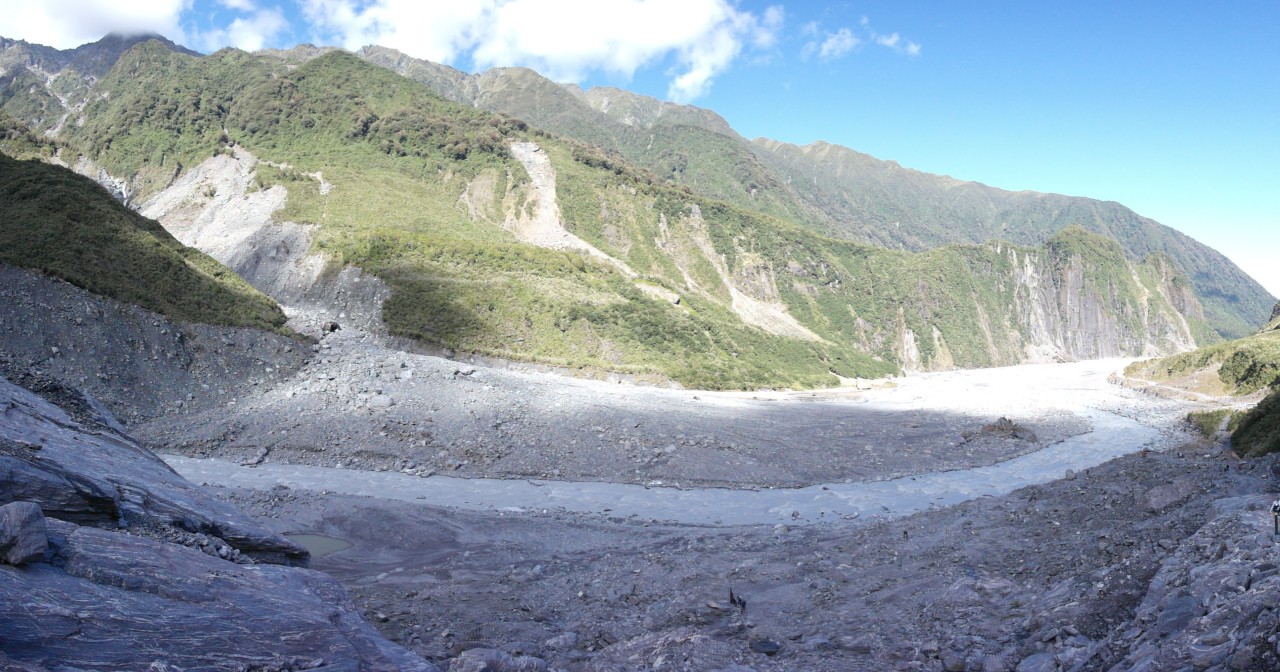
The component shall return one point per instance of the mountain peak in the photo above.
(635, 109)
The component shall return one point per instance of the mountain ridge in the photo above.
(927, 204)
(444, 232)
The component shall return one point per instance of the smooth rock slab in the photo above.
(112, 601)
(89, 472)
(22, 533)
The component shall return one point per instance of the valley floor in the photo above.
(1159, 559)
(553, 566)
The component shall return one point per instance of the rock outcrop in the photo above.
(86, 470)
(1212, 604)
(98, 585)
(22, 533)
(112, 601)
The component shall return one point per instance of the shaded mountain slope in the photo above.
(67, 226)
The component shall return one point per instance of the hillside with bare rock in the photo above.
(363, 363)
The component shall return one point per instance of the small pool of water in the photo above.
(319, 545)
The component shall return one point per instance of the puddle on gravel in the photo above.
(319, 545)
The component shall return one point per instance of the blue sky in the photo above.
(1170, 108)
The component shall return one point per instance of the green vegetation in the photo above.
(424, 193)
(1259, 430)
(65, 225)
(23, 96)
(19, 141)
(842, 193)
(1244, 365)
(1208, 422)
(165, 112)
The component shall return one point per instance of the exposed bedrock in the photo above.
(105, 600)
(111, 561)
(86, 470)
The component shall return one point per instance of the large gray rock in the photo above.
(113, 601)
(1162, 496)
(85, 470)
(22, 533)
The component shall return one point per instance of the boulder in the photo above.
(22, 533)
(953, 662)
(1161, 496)
(1038, 662)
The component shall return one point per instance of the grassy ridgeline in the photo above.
(65, 225)
(1244, 365)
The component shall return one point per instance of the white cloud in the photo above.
(766, 34)
(838, 44)
(695, 40)
(835, 45)
(436, 31)
(562, 39)
(896, 43)
(65, 24)
(249, 33)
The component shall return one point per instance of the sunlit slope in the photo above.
(831, 189)
(886, 203)
(1238, 367)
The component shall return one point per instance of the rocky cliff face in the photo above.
(1065, 311)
